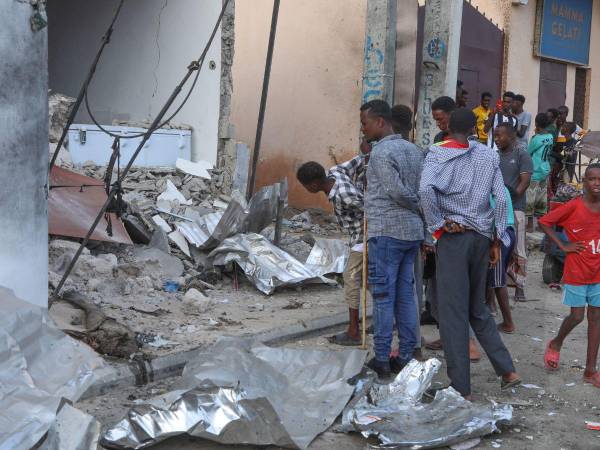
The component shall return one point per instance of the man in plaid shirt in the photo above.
(344, 187)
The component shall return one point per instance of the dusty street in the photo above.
(550, 409)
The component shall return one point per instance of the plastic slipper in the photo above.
(344, 339)
(551, 356)
(510, 384)
(435, 345)
(594, 380)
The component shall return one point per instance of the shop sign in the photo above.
(564, 30)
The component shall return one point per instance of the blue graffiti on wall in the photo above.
(372, 78)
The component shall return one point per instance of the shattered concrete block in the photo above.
(59, 107)
(195, 299)
(197, 169)
(136, 229)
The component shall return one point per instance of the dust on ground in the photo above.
(549, 413)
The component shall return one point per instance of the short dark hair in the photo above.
(509, 94)
(444, 103)
(553, 111)
(486, 94)
(563, 108)
(520, 98)
(378, 108)
(465, 92)
(462, 121)
(541, 120)
(508, 127)
(402, 118)
(570, 127)
(311, 171)
(591, 167)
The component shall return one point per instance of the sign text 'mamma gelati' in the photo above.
(565, 30)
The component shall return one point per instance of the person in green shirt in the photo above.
(552, 127)
(540, 147)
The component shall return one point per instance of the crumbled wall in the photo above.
(226, 144)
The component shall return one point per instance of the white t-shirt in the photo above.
(498, 119)
(524, 120)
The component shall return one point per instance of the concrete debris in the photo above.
(77, 316)
(59, 107)
(195, 301)
(197, 169)
(171, 197)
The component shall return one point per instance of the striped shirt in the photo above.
(347, 197)
(456, 184)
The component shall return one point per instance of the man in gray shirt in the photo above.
(516, 167)
(395, 232)
(524, 118)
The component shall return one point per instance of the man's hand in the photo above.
(452, 227)
(426, 249)
(573, 247)
(494, 253)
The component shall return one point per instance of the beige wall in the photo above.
(594, 112)
(406, 55)
(315, 91)
(522, 68)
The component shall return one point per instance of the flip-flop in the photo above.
(344, 339)
(594, 380)
(551, 356)
(435, 345)
(504, 385)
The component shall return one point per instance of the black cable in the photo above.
(200, 62)
(84, 87)
(194, 66)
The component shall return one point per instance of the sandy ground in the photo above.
(549, 415)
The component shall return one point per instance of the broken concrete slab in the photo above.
(171, 195)
(181, 242)
(197, 169)
(170, 265)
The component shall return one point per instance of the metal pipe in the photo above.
(263, 98)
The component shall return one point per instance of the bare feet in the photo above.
(474, 354)
(507, 328)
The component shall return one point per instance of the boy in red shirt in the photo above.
(580, 218)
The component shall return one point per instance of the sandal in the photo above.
(435, 345)
(504, 385)
(551, 358)
(344, 339)
(594, 380)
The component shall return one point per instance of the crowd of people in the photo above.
(446, 230)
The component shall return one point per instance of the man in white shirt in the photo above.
(502, 115)
(524, 120)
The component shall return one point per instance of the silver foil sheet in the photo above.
(239, 392)
(397, 416)
(72, 430)
(266, 265)
(40, 367)
(328, 256)
(210, 230)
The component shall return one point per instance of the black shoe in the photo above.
(382, 369)
(427, 318)
(396, 364)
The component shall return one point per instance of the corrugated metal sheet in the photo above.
(74, 202)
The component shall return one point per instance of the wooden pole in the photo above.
(363, 300)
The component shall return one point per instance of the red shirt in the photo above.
(580, 225)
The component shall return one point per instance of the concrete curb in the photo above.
(120, 375)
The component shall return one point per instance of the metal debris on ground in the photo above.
(41, 367)
(396, 414)
(328, 256)
(72, 430)
(73, 203)
(241, 392)
(265, 265)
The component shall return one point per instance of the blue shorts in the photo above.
(579, 296)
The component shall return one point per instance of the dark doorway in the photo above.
(481, 55)
(581, 103)
(553, 85)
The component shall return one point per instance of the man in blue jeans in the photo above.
(395, 232)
